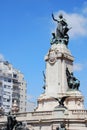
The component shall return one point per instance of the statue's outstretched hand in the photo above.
(52, 16)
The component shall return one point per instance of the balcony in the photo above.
(16, 96)
(6, 96)
(15, 82)
(16, 91)
(6, 103)
(6, 74)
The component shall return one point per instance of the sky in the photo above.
(25, 32)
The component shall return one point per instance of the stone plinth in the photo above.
(75, 100)
(57, 60)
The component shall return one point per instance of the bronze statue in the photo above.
(9, 121)
(62, 126)
(20, 126)
(61, 30)
(13, 124)
(44, 76)
(72, 81)
(61, 101)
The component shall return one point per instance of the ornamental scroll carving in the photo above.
(53, 55)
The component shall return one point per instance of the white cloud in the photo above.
(77, 67)
(77, 21)
(84, 10)
(1, 57)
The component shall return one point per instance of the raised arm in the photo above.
(54, 18)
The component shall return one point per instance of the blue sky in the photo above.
(25, 33)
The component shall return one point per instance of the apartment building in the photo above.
(12, 87)
(30, 107)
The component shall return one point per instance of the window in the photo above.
(5, 86)
(9, 75)
(4, 99)
(8, 100)
(9, 80)
(14, 75)
(9, 87)
(7, 106)
(57, 128)
(5, 79)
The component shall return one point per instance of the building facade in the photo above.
(12, 87)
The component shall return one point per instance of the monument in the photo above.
(61, 105)
(59, 78)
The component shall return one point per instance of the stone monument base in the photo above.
(50, 120)
(75, 100)
(48, 102)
